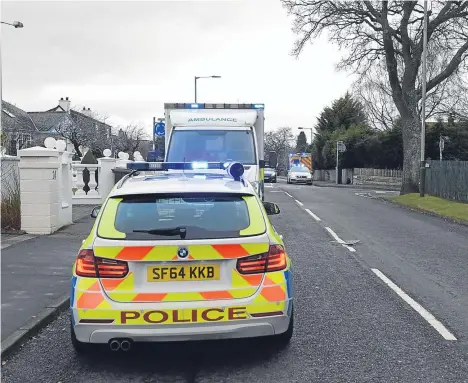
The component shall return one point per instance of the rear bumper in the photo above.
(267, 326)
(301, 180)
(97, 319)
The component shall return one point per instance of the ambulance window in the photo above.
(203, 217)
(212, 146)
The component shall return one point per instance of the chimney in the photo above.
(65, 104)
(87, 112)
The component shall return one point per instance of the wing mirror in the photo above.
(95, 211)
(271, 208)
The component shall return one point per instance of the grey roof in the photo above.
(77, 114)
(47, 121)
(14, 118)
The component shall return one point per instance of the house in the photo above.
(18, 129)
(77, 127)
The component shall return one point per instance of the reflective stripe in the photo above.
(169, 253)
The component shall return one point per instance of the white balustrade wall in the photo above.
(51, 183)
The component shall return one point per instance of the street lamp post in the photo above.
(196, 78)
(422, 170)
(16, 24)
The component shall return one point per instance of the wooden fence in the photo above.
(448, 180)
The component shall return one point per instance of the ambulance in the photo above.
(219, 133)
(180, 256)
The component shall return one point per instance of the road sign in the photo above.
(160, 129)
(341, 146)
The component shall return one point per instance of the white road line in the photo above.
(289, 195)
(313, 215)
(440, 328)
(300, 203)
(339, 240)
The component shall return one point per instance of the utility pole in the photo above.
(441, 147)
(337, 159)
(422, 169)
(154, 134)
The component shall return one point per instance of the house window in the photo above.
(24, 140)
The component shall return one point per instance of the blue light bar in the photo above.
(213, 106)
(149, 166)
(234, 169)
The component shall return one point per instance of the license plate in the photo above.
(183, 273)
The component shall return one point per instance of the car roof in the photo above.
(152, 183)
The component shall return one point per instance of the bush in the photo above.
(11, 203)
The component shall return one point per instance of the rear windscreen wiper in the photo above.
(180, 230)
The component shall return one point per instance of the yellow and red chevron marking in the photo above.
(306, 161)
(123, 290)
(169, 253)
(90, 295)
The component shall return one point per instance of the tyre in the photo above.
(79, 347)
(282, 340)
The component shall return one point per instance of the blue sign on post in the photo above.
(159, 129)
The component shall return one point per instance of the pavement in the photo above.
(351, 324)
(36, 276)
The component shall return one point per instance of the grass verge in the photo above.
(450, 209)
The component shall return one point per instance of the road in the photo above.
(351, 326)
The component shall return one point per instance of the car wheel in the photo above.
(282, 340)
(79, 347)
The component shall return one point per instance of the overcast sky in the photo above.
(125, 59)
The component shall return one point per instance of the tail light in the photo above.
(87, 265)
(274, 260)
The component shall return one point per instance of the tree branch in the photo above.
(449, 69)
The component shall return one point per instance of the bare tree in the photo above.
(86, 129)
(132, 138)
(387, 36)
(280, 141)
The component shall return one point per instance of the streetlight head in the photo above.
(216, 76)
(18, 24)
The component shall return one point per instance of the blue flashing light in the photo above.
(235, 169)
(259, 106)
(196, 106)
(199, 165)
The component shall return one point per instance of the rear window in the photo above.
(184, 217)
(300, 169)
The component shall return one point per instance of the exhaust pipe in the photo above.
(114, 345)
(125, 345)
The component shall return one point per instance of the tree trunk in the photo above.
(77, 149)
(411, 153)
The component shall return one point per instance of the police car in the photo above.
(181, 252)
